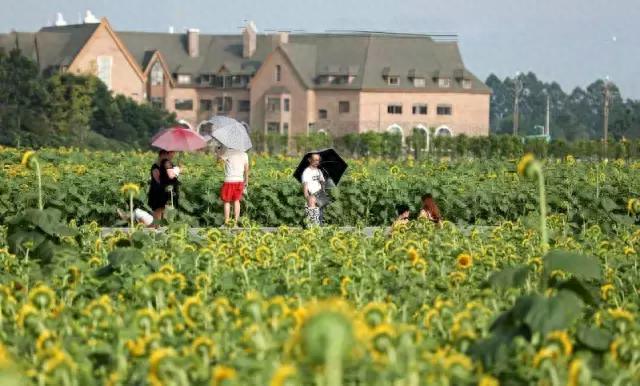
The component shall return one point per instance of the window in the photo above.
(343, 107)
(184, 79)
(466, 83)
(444, 82)
(418, 82)
(206, 104)
(205, 79)
(273, 127)
(184, 104)
(157, 102)
(223, 104)
(244, 106)
(420, 109)
(273, 104)
(322, 114)
(285, 128)
(104, 69)
(157, 76)
(393, 80)
(444, 110)
(394, 109)
(286, 104)
(278, 74)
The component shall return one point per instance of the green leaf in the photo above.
(509, 277)
(594, 338)
(556, 313)
(586, 267)
(588, 293)
(608, 204)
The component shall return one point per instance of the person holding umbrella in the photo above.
(164, 183)
(236, 179)
(234, 141)
(317, 171)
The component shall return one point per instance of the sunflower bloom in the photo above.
(524, 163)
(605, 290)
(130, 188)
(562, 338)
(221, 374)
(465, 261)
(27, 157)
(283, 374)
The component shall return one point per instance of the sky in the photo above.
(573, 42)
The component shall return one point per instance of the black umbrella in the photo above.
(331, 164)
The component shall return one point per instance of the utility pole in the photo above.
(517, 88)
(548, 118)
(607, 99)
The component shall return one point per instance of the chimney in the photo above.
(249, 40)
(60, 22)
(280, 38)
(193, 42)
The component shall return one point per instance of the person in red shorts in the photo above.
(236, 178)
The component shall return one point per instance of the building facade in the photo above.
(284, 83)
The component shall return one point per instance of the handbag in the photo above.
(322, 198)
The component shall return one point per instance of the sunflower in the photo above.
(192, 310)
(457, 277)
(158, 280)
(575, 368)
(419, 265)
(221, 374)
(42, 297)
(628, 251)
(605, 290)
(202, 281)
(524, 163)
(155, 361)
(413, 254)
(24, 313)
(203, 344)
(562, 338)
(374, 313)
(283, 375)
(57, 358)
(621, 314)
(130, 188)
(167, 269)
(633, 206)
(27, 157)
(544, 354)
(95, 262)
(344, 283)
(488, 380)
(99, 308)
(464, 261)
(382, 337)
(45, 340)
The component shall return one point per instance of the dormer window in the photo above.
(157, 75)
(393, 80)
(444, 82)
(418, 82)
(184, 79)
(466, 83)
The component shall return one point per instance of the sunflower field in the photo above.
(530, 300)
(85, 187)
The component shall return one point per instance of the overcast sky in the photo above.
(573, 42)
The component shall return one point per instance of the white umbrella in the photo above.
(230, 133)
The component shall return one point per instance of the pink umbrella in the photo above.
(178, 139)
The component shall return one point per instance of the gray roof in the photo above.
(52, 46)
(367, 57)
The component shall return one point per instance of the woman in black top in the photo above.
(163, 177)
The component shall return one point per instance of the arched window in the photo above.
(444, 131)
(157, 74)
(278, 74)
(395, 129)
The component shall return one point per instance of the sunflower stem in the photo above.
(543, 208)
(131, 209)
(333, 358)
(39, 177)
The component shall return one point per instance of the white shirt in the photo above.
(312, 178)
(234, 163)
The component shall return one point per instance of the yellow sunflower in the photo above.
(27, 157)
(222, 373)
(465, 261)
(282, 375)
(524, 163)
(130, 188)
